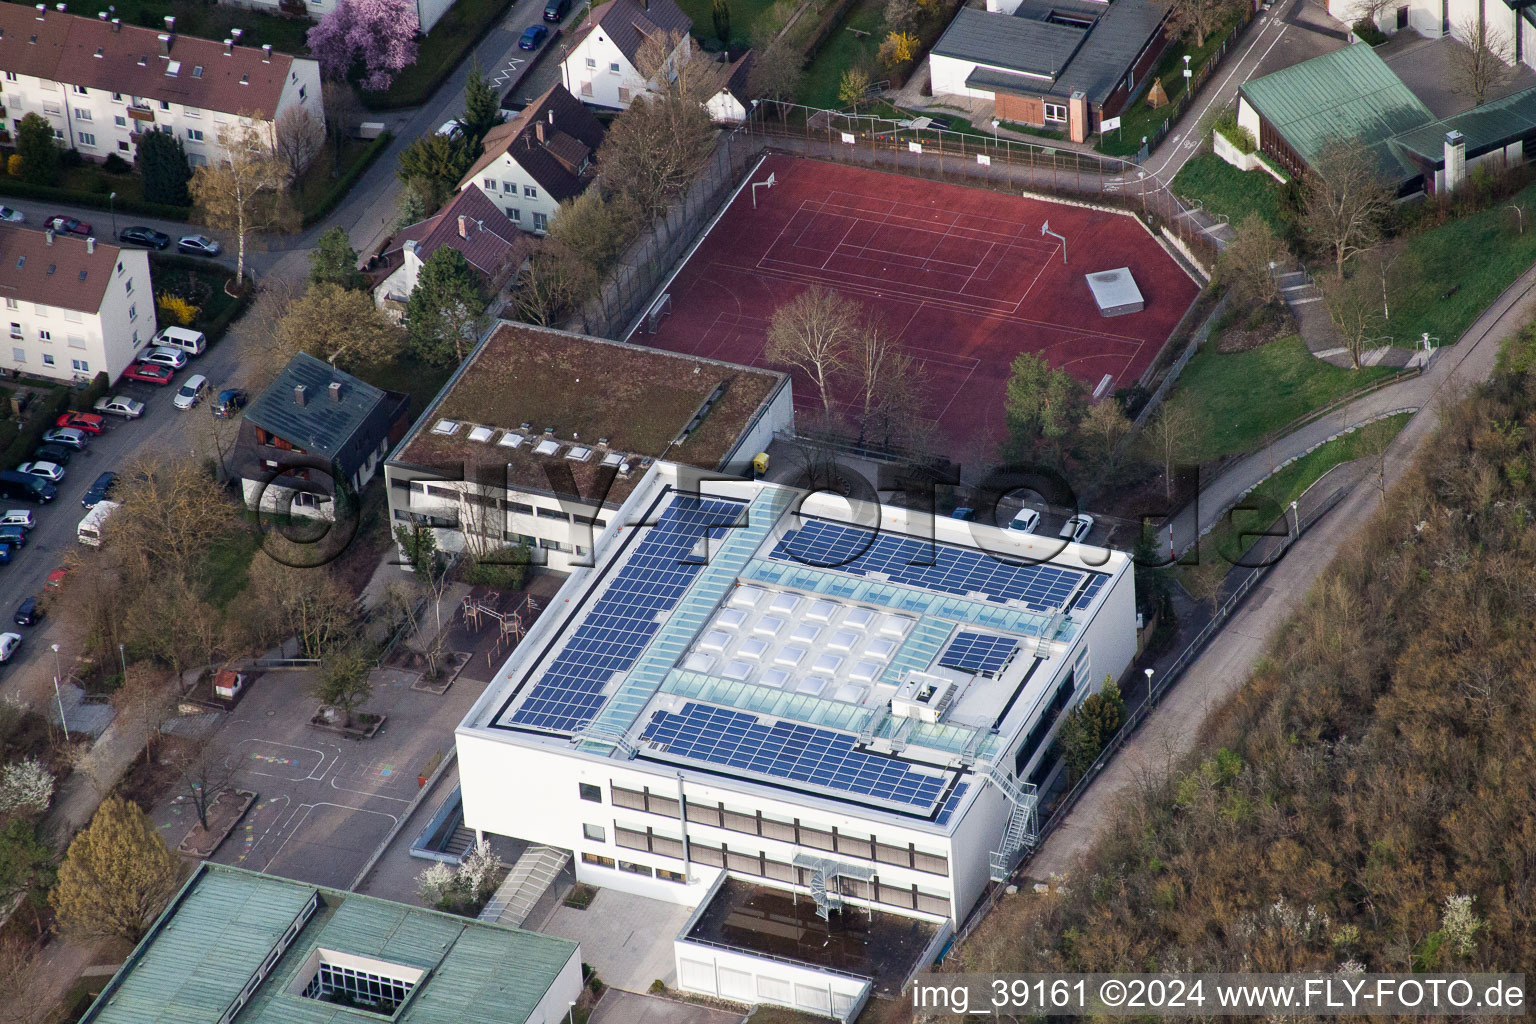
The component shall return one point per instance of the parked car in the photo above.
(1026, 519)
(5, 553)
(8, 644)
(454, 127)
(554, 10)
(12, 216)
(229, 402)
(55, 580)
(183, 340)
(197, 245)
(191, 391)
(15, 536)
(71, 437)
(18, 517)
(99, 490)
(147, 237)
(121, 405)
(533, 36)
(964, 513)
(26, 487)
(149, 373)
(164, 355)
(53, 453)
(29, 612)
(1077, 528)
(86, 421)
(67, 225)
(50, 471)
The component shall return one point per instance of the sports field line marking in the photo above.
(918, 223)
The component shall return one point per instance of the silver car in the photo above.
(121, 405)
(50, 471)
(164, 355)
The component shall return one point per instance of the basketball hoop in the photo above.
(1045, 229)
(760, 184)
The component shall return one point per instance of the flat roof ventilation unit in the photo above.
(446, 428)
(481, 434)
(579, 453)
(547, 447)
(510, 440)
(923, 697)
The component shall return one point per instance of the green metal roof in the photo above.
(225, 921)
(1349, 93)
(1495, 123)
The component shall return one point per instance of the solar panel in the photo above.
(627, 614)
(950, 803)
(902, 559)
(982, 653)
(788, 750)
(1095, 584)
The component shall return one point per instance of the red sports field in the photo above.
(962, 277)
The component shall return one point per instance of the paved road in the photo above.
(1224, 666)
(102, 223)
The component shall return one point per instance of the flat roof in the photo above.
(1112, 288)
(748, 631)
(591, 406)
(225, 922)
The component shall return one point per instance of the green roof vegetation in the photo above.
(225, 923)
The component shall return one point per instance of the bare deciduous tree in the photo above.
(1483, 60)
(1198, 18)
(1351, 303)
(1172, 437)
(204, 773)
(813, 332)
(1248, 264)
(244, 192)
(889, 384)
(297, 139)
(1346, 201)
(343, 113)
(776, 73)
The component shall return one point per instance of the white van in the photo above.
(89, 530)
(183, 340)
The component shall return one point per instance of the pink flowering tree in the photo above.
(381, 34)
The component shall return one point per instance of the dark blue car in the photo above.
(15, 536)
(532, 37)
(99, 490)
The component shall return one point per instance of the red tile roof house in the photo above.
(539, 159)
(470, 223)
(72, 307)
(102, 84)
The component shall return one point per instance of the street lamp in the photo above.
(112, 209)
(1148, 671)
(570, 1016)
(57, 695)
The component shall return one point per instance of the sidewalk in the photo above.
(1223, 668)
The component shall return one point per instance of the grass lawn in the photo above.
(1242, 396)
(96, 180)
(408, 376)
(464, 25)
(1451, 273)
(843, 50)
(228, 565)
(1140, 119)
(211, 21)
(318, 190)
(744, 14)
(1223, 546)
(1222, 188)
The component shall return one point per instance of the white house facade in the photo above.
(102, 84)
(601, 67)
(1514, 24)
(72, 307)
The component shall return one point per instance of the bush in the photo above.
(85, 401)
(1366, 29)
(115, 164)
(94, 200)
(1235, 133)
(504, 568)
(13, 165)
(40, 416)
(174, 307)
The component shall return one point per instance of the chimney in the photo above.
(170, 23)
(538, 129)
(463, 226)
(235, 34)
(266, 53)
(102, 15)
(1455, 160)
(551, 117)
(59, 8)
(165, 44)
(298, 394)
(117, 24)
(229, 46)
(90, 245)
(48, 236)
(42, 12)
(335, 390)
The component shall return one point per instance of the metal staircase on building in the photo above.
(1023, 828)
(825, 872)
(1048, 634)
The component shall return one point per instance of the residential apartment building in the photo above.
(755, 686)
(539, 159)
(427, 11)
(102, 84)
(540, 434)
(72, 307)
(603, 60)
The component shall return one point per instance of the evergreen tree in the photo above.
(444, 309)
(482, 108)
(38, 151)
(720, 13)
(434, 164)
(334, 261)
(162, 164)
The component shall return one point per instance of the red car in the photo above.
(57, 577)
(149, 373)
(68, 225)
(86, 421)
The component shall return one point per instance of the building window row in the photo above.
(599, 861)
(908, 897)
(649, 841)
(645, 800)
(860, 846)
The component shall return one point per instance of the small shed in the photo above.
(1115, 292)
(228, 684)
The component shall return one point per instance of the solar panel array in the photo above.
(788, 750)
(950, 803)
(625, 616)
(978, 652)
(904, 559)
(1091, 591)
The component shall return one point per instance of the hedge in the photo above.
(85, 401)
(344, 183)
(42, 412)
(96, 201)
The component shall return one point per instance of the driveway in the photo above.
(619, 1007)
